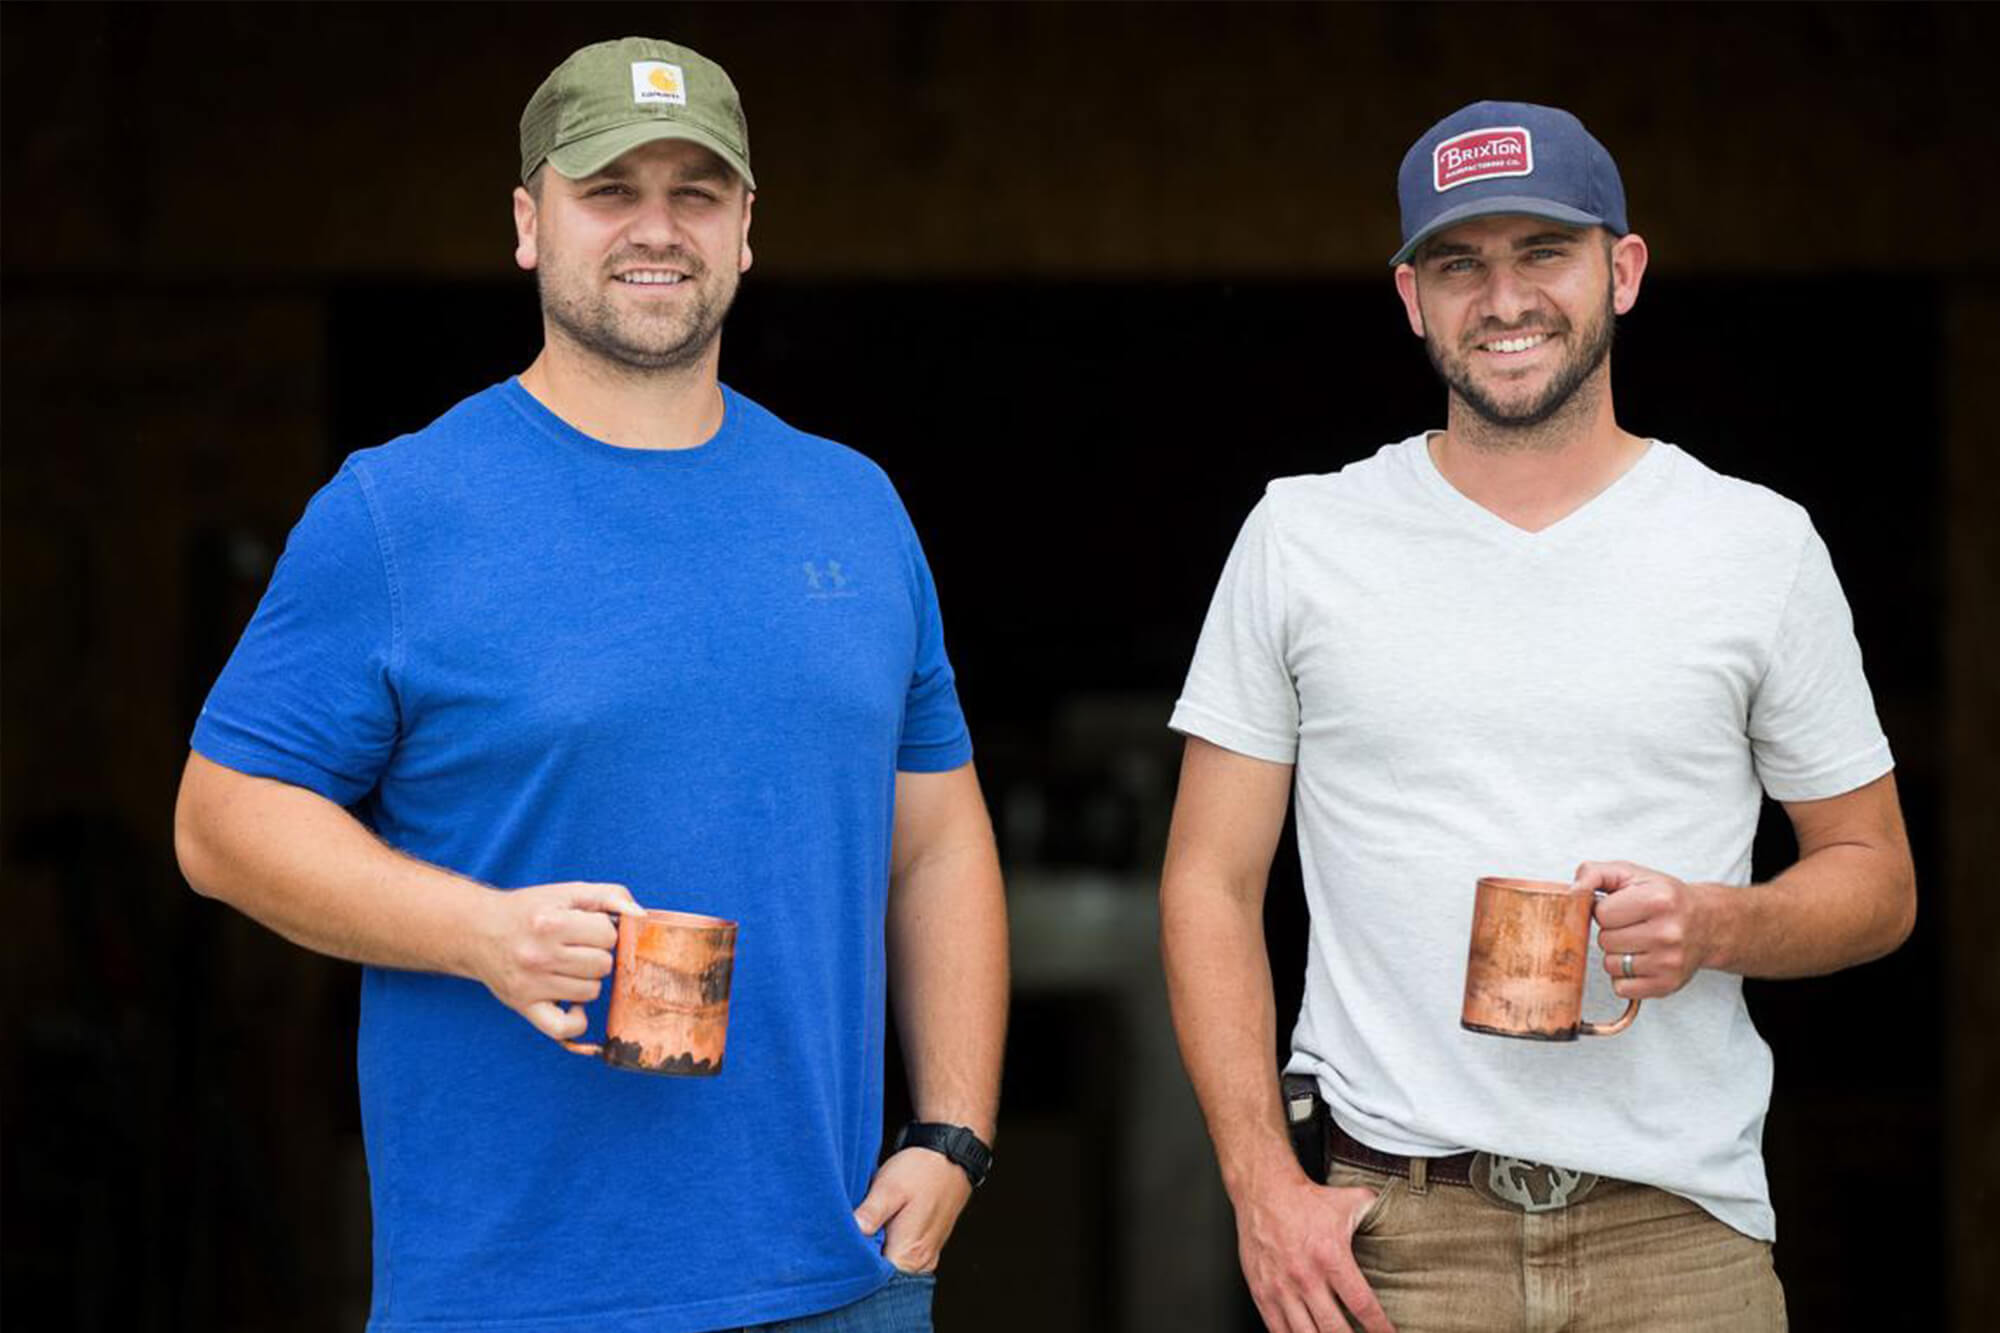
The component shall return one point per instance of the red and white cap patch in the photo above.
(1505, 150)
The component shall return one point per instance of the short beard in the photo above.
(1560, 392)
(593, 326)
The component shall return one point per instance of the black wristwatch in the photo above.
(957, 1142)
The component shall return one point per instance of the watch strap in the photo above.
(955, 1142)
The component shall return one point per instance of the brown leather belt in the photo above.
(1343, 1147)
(1510, 1182)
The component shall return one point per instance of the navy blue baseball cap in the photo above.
(1507, 157)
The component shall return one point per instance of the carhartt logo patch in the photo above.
(658, 81)
(1477, 154)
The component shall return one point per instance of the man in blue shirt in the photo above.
(607, 635)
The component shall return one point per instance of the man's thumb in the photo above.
(872, 1213)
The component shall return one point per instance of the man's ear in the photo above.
(526, 216)
(1406, 287)
(1628, 268)
(743, 261)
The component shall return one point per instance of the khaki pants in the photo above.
(1625, 1258)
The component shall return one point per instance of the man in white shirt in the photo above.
(1529, 640)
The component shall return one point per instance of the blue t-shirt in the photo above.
(529, 656)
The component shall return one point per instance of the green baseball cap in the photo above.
(608, 99)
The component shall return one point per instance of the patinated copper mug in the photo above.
(669, 1009)
(1530, 949)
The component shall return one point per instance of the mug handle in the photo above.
(1623, 1020)
(1613, 1028)
(592, 1047)
(581, 1047)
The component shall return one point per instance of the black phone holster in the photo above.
(1305, 1119)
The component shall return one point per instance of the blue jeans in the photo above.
(904, 1306)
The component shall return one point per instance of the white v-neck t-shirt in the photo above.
(1460, 698)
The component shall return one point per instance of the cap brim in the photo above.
(1520, 205)
(592, 153)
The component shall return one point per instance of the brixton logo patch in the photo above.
(1477, 154)
(658, 81)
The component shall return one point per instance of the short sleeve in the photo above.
(1813, 729)
(1240, 692)
(307, 696)
(935, 738)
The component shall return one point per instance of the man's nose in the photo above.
(1508, 296)
(655, 223)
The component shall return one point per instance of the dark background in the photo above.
(1081, 278)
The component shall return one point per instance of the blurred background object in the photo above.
(1082, 278)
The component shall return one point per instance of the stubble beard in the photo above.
(1586, 360)
(633, 342)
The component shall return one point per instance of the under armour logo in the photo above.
(826, 581)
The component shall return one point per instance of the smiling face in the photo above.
(1517, 312)
(637, 264)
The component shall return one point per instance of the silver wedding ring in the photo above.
(1627, 965)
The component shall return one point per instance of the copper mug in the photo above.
(1525, 971)
(669, 1009)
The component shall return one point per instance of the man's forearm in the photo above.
(1833, 909)
(1219, 986)
(947, 940)
(1850, 897)
(1228, 817)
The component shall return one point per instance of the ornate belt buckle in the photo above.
(1532, 1187)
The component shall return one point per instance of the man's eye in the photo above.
(699, 195)
(1456, 266)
